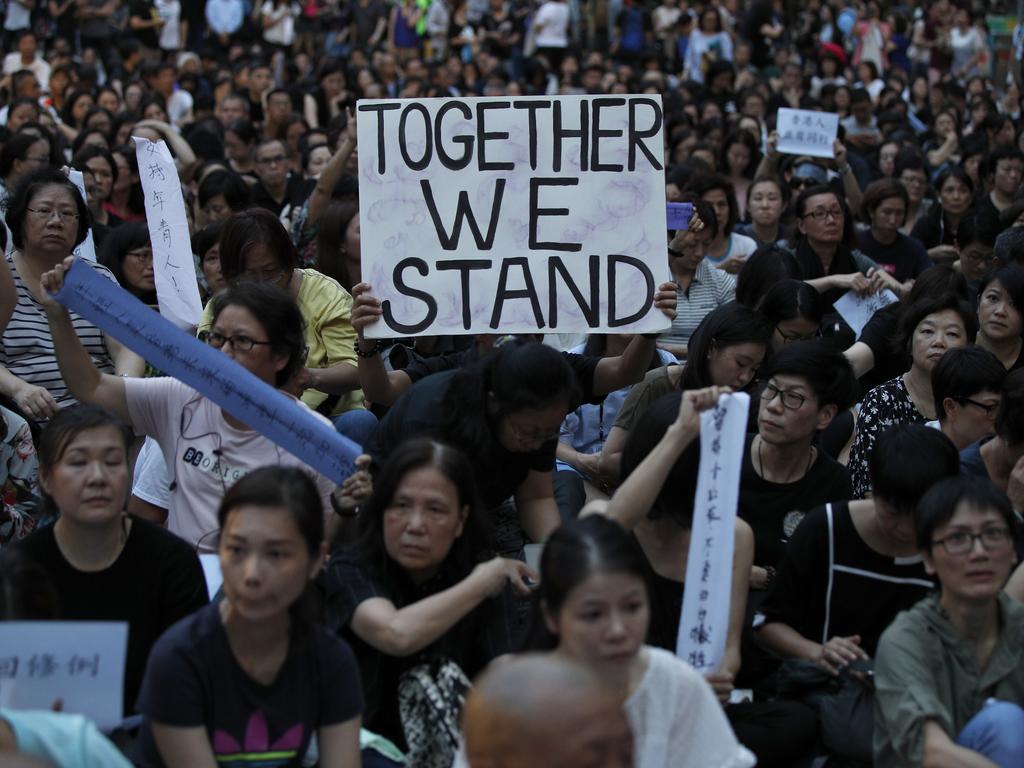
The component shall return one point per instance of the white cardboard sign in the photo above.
(484, 215)
(806, 132)
(87, 249)
(857, 310)
(80, 663)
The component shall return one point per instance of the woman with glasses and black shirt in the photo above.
(205, 448)
(948, 678)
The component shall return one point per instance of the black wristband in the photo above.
(366, 353)
(340, 511)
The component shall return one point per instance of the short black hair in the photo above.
(1000, 153)
(1011, 278)
(227, 184)
(827, 371)
(27, 188)
(1010, 416)
(912, 315)
(962, 373)
(944, 498)
(704, 184)
(768, 265)
(908, 459)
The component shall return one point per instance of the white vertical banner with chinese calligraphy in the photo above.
(87, 249)
(805, 132)
(704, 621)
(177, 289)
(80, 663)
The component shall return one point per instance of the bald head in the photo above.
(541, 710)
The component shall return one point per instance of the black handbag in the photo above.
(845, 705)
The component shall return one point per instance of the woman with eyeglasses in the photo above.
(205, 448)
(1000, 322)
(884, 207)
(128, 253)
(794, 310)
(825, 250)
(105, 564)
(948, 678)
(255, 247)
(939, 230)
(912, 173)
(48, 219)
(22, 153)
(926, 329)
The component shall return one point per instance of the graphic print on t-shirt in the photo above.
(256, 749)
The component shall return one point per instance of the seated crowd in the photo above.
(501, 580)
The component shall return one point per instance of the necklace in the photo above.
(787, 479)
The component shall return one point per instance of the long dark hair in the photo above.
(121, 239)
(519, 375)
(65, 427)
(472, 547)
(574, 552)
(725, 326)
(291, 489)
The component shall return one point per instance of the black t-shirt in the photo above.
(831, 583)
(144, 10)
(156, 581)
(193, 679)
(905, 258)
(878, 334)
(477, 639)
(422, 411)
(295, 194)
(583, 367)
(773, 510)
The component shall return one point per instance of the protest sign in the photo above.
(857, 310)
(208, 371)
(704, 622)
(679, 215)
(513, 215)
(805, 132)
(174, 272)
(87, 248)
(77, 662)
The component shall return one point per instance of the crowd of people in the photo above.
(501, 580)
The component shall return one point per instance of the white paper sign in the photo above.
(704, 621)
(87, 250)
(81, 663)
(177, 290)
(211, 570)
(805, 132)
(857, 310)
(490, 215)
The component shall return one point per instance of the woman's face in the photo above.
(793, 330)
(955, 196)
(99, 181)
(109, 101)
(138, 269)
(526, 430)
(91, 479)
(237, 150)
(603, 621)
(318, 157)
(101, 122)
(980, 573)
(261, 265)
(766, 204)
(217, 208)
(718, 200)
(944, 125)
(976, 259)
(842, 99)
(887, 160)
(81, 106)
(889, 215)
(692, 247)
(735, 366)
(333, 84)
(211, 269)
(919, 88)
(422, 522)
(35, 157)
(823, 219)
(738, 157)
(998, 317)
(51, 225)
(935, 335)
(236, 322)
(265, 561)
(132, 97)
(154, 111)
(916, 182)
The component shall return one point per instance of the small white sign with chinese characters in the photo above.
(78, 663)
(857, 310)
(805, 132)
(704, 621)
